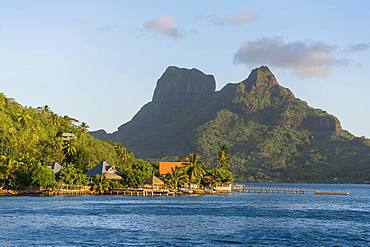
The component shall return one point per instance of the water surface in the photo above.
(229, 220)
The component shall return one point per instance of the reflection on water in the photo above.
(238, 219)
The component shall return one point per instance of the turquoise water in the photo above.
(232, 220)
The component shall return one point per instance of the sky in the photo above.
(99, 61)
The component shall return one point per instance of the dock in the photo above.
(142, 192)
(283, 190)
(274, 190)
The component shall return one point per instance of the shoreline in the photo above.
(15, 193)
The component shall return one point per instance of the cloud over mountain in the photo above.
(164, 25)
(304, 58)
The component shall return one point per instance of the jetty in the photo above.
(283, 190)
(143, 192)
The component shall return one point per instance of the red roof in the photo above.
(165, 167)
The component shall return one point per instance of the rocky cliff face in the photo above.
(180, 84)
(267, 129)
(260, 77)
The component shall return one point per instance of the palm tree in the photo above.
(69, 120)
(223, 158)
(7, 165)
(70, 148)
(58, 144)
(101, 184)
(124, 154)
(176, 178)
(194, 169)
(84, 126)
(46, 109)
(23, 117)
(55, 119)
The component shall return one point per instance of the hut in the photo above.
(104, 169)
(56, 168)
(154, 183)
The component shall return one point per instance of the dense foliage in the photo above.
(31, 139)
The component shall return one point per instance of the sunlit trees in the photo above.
(43, 176)
(136, 175)
(70, 175)
(176, 178)
(101, 184)
(194, 169)
(84, 126)
(223, 159)
(23, 117)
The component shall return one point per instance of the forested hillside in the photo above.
(32, 138)
(270, 134)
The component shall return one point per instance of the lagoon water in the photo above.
(229, 220)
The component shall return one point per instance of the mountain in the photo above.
(271, 134)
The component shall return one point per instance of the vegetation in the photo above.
(33, 138)
(271, 135)
(101, 185)
(196, 172)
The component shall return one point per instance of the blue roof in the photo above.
(100, 169)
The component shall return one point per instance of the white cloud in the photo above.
(305, 58)
(164, 25)
(240, 18)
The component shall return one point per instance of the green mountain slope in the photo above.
(271, 134)
(31, 138)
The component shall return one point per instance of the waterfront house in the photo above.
(104, 169)
(166, 167)
(56, 168)
(154, 183)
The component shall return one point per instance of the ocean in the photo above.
(239, 219)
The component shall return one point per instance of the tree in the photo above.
(70, 148)
(176, 178)
(137, 174)
(70, 175)
(194, 169)
(125, 156)
(223, 158)
(101, 184)
(43, 176)
(23, 117)
(219, 176)
(84, 126)
(56, 120)
(46, 109)
(58, 145)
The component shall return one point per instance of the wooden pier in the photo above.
(271, 190)
(142, 192)
(282, 190)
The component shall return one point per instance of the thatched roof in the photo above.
(154, 181)
(112, 176)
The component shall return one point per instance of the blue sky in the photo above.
(99, 61)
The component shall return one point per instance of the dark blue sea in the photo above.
(239, 219)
